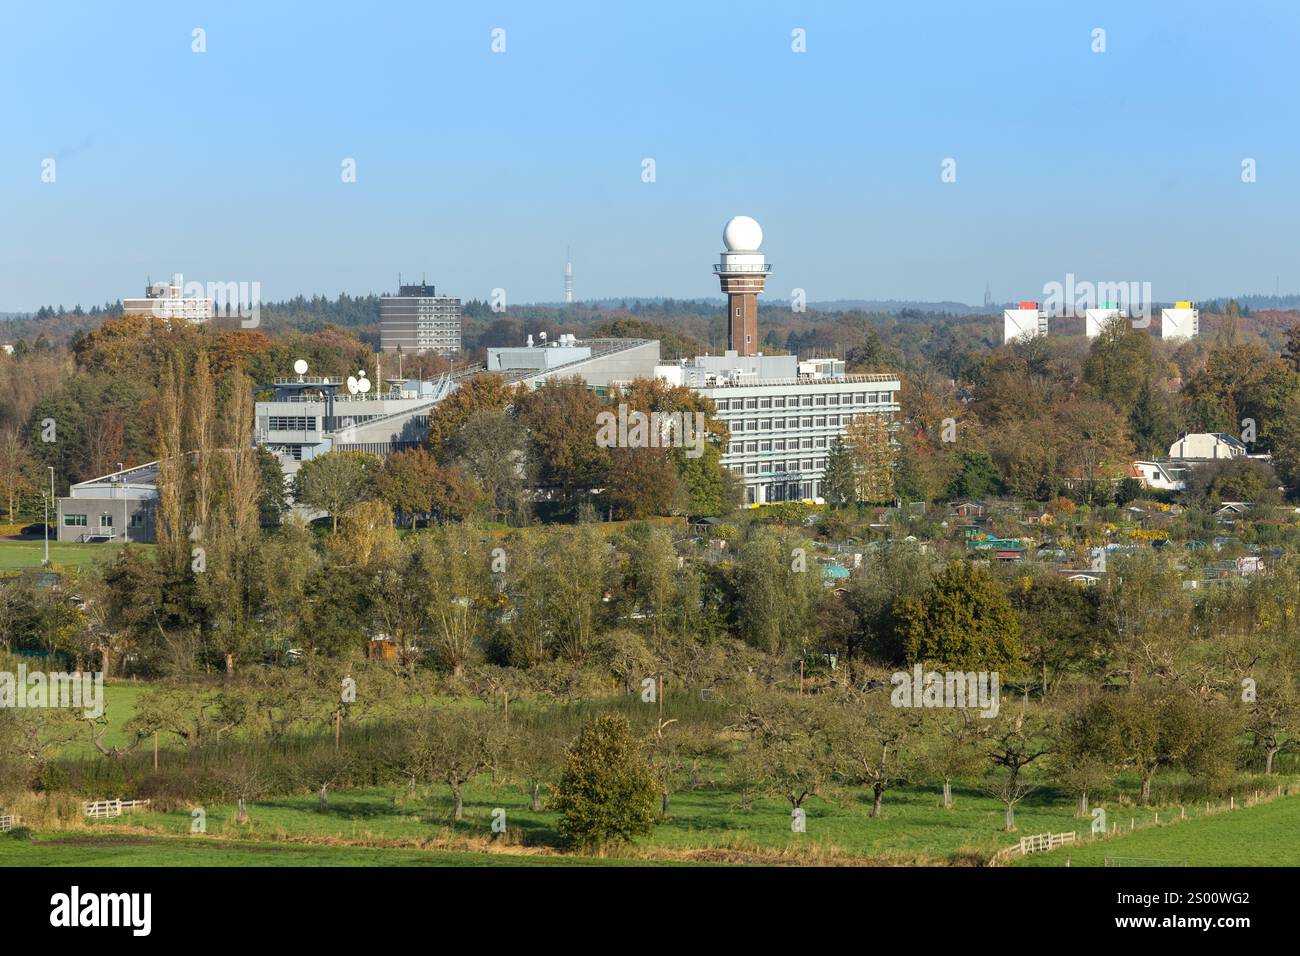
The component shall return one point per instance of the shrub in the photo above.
(606, 793)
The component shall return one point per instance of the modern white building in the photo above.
(1208, 445)
(600, 363)
(1160, 475)
(1180, 322)
(312, 415)
(783, 415)
(167, 300)
(1026, 321)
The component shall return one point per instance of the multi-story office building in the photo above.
(167, 300)
(418, 320)
(783, 415)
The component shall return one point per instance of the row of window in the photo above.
(780, 467)
(791, 491)
(804, 401)
(779, 444)
(777, 424)
(105, 520)
(293, 423)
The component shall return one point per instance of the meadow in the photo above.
(24, 553)
(711, 821)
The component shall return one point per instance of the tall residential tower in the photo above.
(418, 320)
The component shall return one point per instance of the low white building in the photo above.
(783, 415)
(1160, 475)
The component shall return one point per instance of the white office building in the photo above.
(167, 300)
(783, 415)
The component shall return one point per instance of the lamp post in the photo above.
(48, 502)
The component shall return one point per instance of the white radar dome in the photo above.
(742, 234)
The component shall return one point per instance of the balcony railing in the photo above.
(724, 269)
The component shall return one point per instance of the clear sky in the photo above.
(480, 168)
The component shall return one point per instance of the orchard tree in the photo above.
(1016, 740)
(789, 753)
(872, 742)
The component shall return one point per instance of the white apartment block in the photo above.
(1026, 321)
(1095, 320)
(1180, 322)
(783, 416)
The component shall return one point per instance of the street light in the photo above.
(48, 502)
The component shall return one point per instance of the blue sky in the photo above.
(479, 169)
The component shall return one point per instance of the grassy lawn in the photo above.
(30, 553)
(914, 829)
(111, 849)
(120, 698)
(1264, 835)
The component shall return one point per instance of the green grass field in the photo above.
(119, 707)
(1264, 835)
(129, 850)
(30, 553)
(367, 828)
(703, 822)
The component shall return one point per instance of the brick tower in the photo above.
(742, 274)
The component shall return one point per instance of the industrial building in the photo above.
(417, 320)
(311, 415)
(601, 363)
(117, 507)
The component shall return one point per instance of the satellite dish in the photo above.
(352, 384)
(363, 384)
(300, 367)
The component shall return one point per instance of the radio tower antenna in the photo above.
(568, 277)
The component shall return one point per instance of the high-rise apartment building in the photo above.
(418, 320)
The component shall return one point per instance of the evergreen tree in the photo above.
(839, 486)
(606, 793)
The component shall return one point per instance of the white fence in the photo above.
(1042, 842)
(8, 822)
(112, 808)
